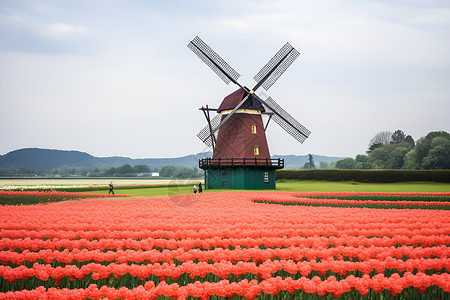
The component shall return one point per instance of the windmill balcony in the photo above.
(209, 163)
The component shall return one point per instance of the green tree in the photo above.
(431, 151)
(97, 172)
(111, 171)
(410, 141)
(398, 137)
(361, 162)
(373, 147)
(396, 155)
(389, 156)
(409, 161)
(310, 164)
(184, 172)
(378, 158)
(167, 171)
(141, 169)
(25, 171)
(438, 156)
(65, 171)
(126, 170)
(348, 163)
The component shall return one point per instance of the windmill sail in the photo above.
(266, 77)
(286, 121)
(276, 67)
(205, 134)
(213, 60)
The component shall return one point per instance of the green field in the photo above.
(83, 182)
(344, 186)
(167, 187)
(306, 186)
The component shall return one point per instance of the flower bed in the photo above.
(40, 197)
(368, 200)
(222, 244)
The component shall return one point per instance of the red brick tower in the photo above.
(243, 135)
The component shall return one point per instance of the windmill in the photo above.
(241, 157)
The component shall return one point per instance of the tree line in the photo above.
(399, 151)
(121, 171)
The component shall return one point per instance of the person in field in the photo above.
(111, 187)
(195, 189)
(200, 188)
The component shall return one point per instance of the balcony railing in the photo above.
(207, 163)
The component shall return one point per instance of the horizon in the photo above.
(333, 156)
(117, 79)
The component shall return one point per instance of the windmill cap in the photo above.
(233, 99)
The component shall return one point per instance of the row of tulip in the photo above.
(183, 227)
(208, 243)
(371, 200)
(180, 222)
(223, 269)
(371, 194)
(248, 289)
(442, 204)
(36, 197)
(255, 254)
(188, 227)
(321, 230)
(423, 199)
(439, 201)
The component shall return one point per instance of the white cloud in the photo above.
(63, 30)
(23, 32)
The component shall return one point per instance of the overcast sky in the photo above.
(116, 78)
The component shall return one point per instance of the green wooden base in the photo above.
(240, 178)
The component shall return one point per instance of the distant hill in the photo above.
(43, 160)
(46, 159)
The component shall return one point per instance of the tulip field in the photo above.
(41, 197)
(242, 245)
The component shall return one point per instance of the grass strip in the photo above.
(362, 205)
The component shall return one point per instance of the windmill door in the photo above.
(219, 178)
